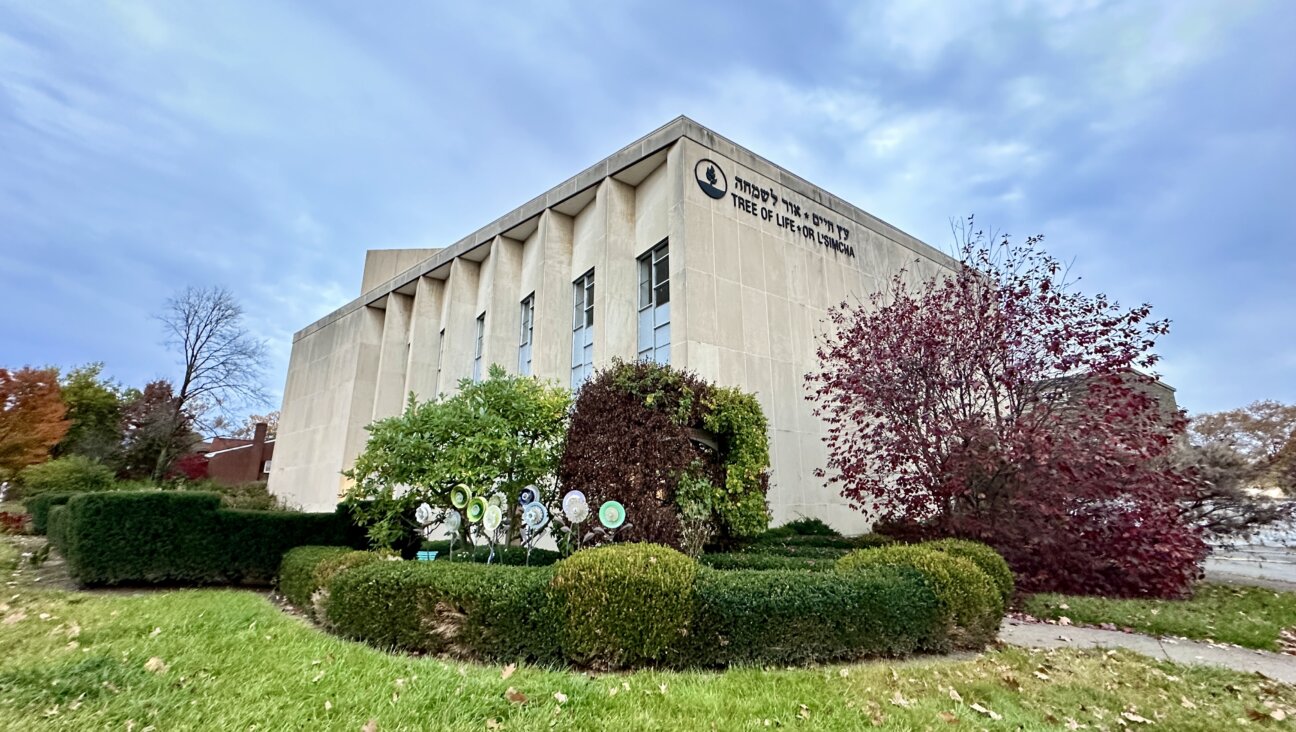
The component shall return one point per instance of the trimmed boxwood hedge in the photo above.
(297, 572)
(184, 537)
(57, 529)
(761, 561)
(491, 612)
(793, 616)
(983, 556)
(637, 604)
(39, 509)
(967, 593)
(624, 604)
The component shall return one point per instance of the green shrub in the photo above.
(791, 617)
(490, 612)
(624, 604)
(297, 572)
(761, 561)
(967, 593)
(871, 540)
(249, 496)
(39, 508)
(71, 474)
(806, 526)
(184, 537)
(982, 556)
(58, 527)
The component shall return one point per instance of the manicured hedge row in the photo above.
(792, 617)
(761, 561)
(183, 537)
(966, 593)
(297, 572)
(39, 509)
(57, 527)
(643, 604)
(492, 612)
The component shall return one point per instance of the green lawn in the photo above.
(230, 660)
(1247, 616)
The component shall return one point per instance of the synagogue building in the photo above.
(682, 248)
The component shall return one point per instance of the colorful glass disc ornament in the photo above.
(612, 514)
(492, 518)
(453, 521)
(476, 509)
(423, 514)
(460, 496)
(498, 499)
(575, 507)
(529, 495)
(534, 515)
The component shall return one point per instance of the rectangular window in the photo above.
(436, 391)
(477, 348)
(524, 342)
(654, 305)
(582, 329)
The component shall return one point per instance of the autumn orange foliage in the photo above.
(33, 417)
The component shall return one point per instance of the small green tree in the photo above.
(94, 412)
(501, 434)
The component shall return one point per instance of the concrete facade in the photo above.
(756, 256)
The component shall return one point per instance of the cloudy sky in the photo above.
(146, 146)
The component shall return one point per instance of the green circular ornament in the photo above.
(460, 496)
(612, 514)
(476, 509)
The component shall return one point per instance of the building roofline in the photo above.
(238, 447)
(650, 144)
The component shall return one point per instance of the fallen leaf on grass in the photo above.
(370, 726)
(804, 712)
(508, 670)
(1131, 716)
(156, 632)
(515, 696)
(1064, 620)
(16, 617)
(899, 700)
(156, 665)
(1041, 676)
(988, 712)
(328, 705)
(561, 697)
(948, 717)
(492, 724)
(955, 695)
(1186, 703)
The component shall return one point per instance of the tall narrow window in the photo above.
(477, 349)
(654, 305)
(582, 329)
(524, 342)
(441, 356)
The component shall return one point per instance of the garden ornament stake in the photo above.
(534, 518)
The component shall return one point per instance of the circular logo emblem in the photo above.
(711, 179)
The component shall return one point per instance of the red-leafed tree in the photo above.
(1001, 404)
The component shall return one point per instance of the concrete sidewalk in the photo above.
(1045, 635)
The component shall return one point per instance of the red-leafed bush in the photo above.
(999, 404)
(14, 523)
(687, 459)
(190, 467)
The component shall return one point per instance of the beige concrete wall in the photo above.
(328, 398)
(425, 337)
(755, 299)
(383, 264)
